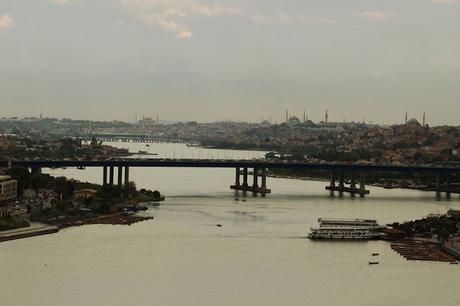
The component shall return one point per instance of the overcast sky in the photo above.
(231, 59)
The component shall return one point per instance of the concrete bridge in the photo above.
(338, 171)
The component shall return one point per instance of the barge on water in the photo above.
(346, 229)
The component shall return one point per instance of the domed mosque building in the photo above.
(293, 120)
(413, 123)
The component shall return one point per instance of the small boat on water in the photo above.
(373, 262)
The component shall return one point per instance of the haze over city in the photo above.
(231, 60)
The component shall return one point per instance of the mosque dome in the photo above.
(413, 122)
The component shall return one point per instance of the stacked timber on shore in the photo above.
(421, 250)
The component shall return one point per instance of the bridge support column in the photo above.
(341, 182)
(264, 179)
(448, 186)
(120, 179)
(362, 184)
(104, 177)
(353, 184)
(255, 175)
(35, 170)
(438, 185)
(255, 185)
(111, 170)
(237, 177)
(126, 182)
(263, 188)
(245, 178)
(332, 184)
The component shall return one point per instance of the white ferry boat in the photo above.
(348, 222)
(343, 233)
(346, 229)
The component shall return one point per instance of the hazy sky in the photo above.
(231, 59)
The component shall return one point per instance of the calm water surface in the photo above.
(260, 255)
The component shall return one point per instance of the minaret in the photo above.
(304, 116)
(270, 120)
(406, 118)
(157, 119)
(423, 120)
(287, 116)
(326, 116)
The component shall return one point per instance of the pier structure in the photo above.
(108, 175)
(255, 188)
(352, 189)
(445, 187)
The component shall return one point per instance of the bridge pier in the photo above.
(111, 170)
(104, 177)
(341, 183)
(448, 186)
(255, 188)
(36, 170)
(332, 184)
(126, 195)
(362, 185)
(237, 177)
(120, 179)
(441, 187)
(341, 188)
(245, 177)
(353, 184)
(264, 179)
(255, 177)
(438, 185)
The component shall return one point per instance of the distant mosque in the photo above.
(414, 123)
(294, 120)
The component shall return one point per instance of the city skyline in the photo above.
(230, 60)
(271, 119)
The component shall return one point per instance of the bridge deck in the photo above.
(189, 163)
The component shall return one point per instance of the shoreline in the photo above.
(120, 218)
(22, 233)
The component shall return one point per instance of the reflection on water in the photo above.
(259, 256)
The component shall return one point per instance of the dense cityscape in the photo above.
(411, 142)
